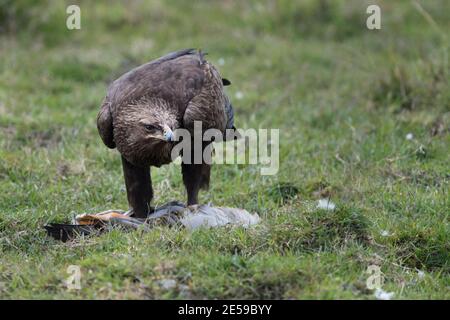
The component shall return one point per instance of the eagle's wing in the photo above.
(176, 77)
(105, 125)
(230, 113)
(209, 105)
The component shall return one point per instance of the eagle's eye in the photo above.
(152, 127)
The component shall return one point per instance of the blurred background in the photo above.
(363, 118)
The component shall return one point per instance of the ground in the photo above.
(363, 118)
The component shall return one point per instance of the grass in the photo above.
(343, 97)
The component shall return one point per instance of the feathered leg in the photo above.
(139, 188)
(195, 177)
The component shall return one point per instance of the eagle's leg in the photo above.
(195, 177)
(139, 188)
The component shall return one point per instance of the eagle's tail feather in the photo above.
(201, 56)
(176, 54)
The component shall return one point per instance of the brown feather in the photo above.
(208, 105)
(105, 125)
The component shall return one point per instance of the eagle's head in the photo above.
(143, 132)
(154, 132)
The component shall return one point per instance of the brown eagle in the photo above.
(144, 106)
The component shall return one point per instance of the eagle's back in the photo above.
(176, 78)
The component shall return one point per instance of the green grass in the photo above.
(343, 97)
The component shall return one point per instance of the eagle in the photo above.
(143, 108)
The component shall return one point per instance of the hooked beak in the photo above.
(168, 134)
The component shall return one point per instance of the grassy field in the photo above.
(344, 98)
